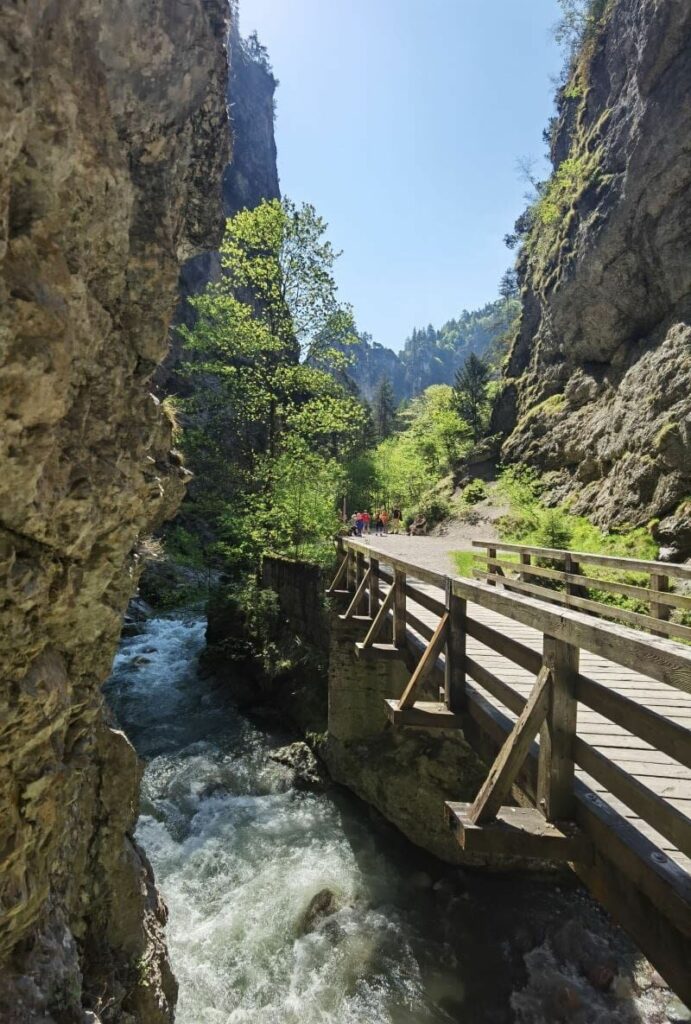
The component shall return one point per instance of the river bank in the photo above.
(239, 854)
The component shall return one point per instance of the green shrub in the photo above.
(475, 491)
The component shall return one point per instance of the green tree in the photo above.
(270, 422)
(384, 409)
(470, 391)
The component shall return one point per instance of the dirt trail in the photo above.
(455, 534)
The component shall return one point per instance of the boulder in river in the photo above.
(307, 772)
(322, 905)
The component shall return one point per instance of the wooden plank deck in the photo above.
(639, 759)
(615, 761)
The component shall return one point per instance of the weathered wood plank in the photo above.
(665, 735)
(504, 645)
(379, 620)
(354, 605)
(374, 587)
(494, 685)
(423, 715)
(645, 803)
(555, 766)
(518, 832)
(431, 604)
(399, 627)
(425, 664)
(374, 652)
(497, 785)
(613, 561)
(661, 659)
(342, 569)
(455, 662)
(646, 594)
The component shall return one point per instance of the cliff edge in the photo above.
(597, 388)
(114, 127)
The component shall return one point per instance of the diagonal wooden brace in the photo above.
(339, 575)
(498, 783)
(359, 594)
(379, 620)
(426, 663)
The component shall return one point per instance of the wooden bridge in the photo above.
(586, 722)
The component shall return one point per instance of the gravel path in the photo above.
(456, 534)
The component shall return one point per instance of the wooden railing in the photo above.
(393, 599)
(558, 576)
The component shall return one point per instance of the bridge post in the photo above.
(454, 679)
(350, 573)
(374, 587)
(359, 574)
(555, 766)
(659, 611)
(399, 609)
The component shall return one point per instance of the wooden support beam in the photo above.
(357, 598)
(454, 676)
(659, 583)
(360, 572)
(425, 663)
(379, 619)
(339, 575)
(350, 571)
(555, 766)
(379, 652)
(423, 715)
(399, 608)
(498, 783)
(373, 587)
(519, 832)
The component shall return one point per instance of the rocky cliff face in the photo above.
(114, 128)
(597, 391)
(250, 176)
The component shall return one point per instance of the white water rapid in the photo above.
(238, 855)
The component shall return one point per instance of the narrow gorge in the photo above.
(241, 714)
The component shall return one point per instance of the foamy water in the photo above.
(238, 855)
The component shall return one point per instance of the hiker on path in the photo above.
(396, 520)
(418, 526)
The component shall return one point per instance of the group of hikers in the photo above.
(381, 523)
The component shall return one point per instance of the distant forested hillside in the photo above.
(431, 356)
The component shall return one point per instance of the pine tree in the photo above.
(470, 391)
(384, 409)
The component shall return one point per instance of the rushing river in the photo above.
(238, 855)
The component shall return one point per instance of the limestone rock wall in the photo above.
(597, 391)
(114, 138)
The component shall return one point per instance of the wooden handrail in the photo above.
(608, 611)
(558, 689)
(661, 659)
(682, 572)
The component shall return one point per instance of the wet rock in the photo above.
(307, 772)
(601, 977)
(138, 610)
(322, 905)
(677, 1013)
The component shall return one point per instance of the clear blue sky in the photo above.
(402, 121)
